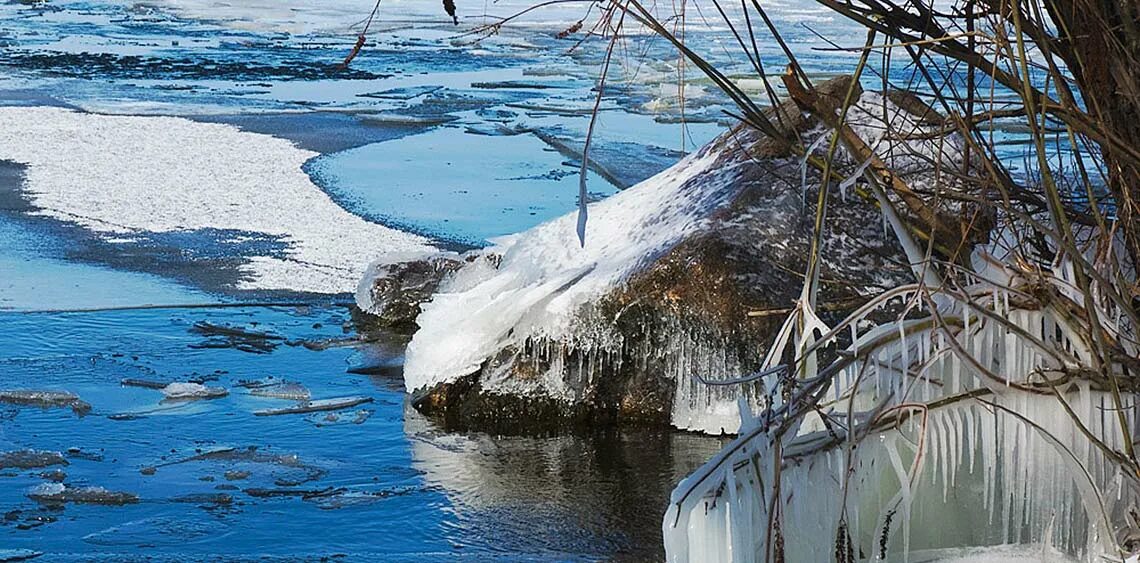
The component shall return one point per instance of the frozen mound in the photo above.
(125, 177)
(539, 332)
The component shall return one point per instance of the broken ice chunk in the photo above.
(283, 390)
(45, 399)
(60, 493)
(334, 418)
(180, 390)
(316, 406)
(18, 554)
(30, 459)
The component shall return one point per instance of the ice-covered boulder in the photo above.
(544, 334)
(392, 291)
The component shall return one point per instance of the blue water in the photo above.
(393, 485)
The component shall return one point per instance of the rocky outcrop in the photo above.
(547, 335)
(391, 293)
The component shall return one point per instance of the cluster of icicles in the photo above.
(936, 437)
(567, 365)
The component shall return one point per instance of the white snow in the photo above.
(121, 175)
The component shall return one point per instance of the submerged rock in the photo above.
(238, 338)
(303, 493)
(545, 334)
(25, 519)
(30, 459)
(144, 383)
(58, 493)
(239, 461)
(45, 399)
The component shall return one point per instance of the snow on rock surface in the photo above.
(124, 175)
(538, 327)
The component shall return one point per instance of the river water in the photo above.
(117, 262)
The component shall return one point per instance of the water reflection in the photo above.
(601, 494)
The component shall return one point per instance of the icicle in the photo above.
(854, 177)
(803, 164)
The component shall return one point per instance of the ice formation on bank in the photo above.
(124, 175)
(958, 435)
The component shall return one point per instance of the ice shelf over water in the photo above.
(124, 175)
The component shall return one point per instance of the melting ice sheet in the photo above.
(127, 176)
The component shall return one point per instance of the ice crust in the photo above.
(118, 175)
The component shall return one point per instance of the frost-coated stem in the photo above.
(582, 172)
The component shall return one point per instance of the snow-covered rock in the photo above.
(392, 291)
(546, 333)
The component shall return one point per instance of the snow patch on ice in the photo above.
(119, 175)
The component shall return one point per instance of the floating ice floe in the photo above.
(45, 399)
(317, 406)
(30, 459)
(179, 390)
(60, 493)
(283, 390)
(124, 175)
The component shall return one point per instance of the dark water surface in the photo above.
(378, 482)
